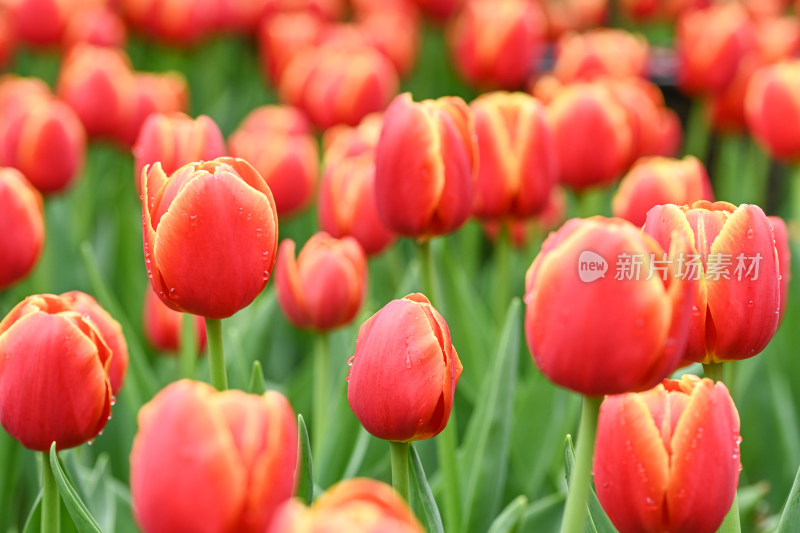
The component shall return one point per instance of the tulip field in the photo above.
(397, 266)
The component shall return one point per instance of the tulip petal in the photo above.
(289, 285)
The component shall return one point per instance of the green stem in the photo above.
(502, 270)
(713, 371)
(188, 353)
(794, 188)
(399, 452)
(321, 378)
(51, 513)
(581, 478)
(430, 284)
(728, 176)
(697, 131)
(216, 353)
(732, 522)
(446, 450)
(757, 172)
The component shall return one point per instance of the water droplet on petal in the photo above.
(749, 233)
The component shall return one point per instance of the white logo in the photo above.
(591, 266)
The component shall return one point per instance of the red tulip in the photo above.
(8, 41)
(668, 459)
(518, 166)
(340, 142)
(404, 372)
(357, 505)
(605, 313)
(166, 93)
(572, 15)
(277, 141)
(22, 220)
(181, 22)
(162, 325)
(212, 461)
(109, 330)
(732, 254)
(283, 36)
(210, 235)
(660, 180)
(426, 166)
(440, 9)
(395, 33)
(16, 94)
(772, 109)
(174, 140)
(497, 44)
(39, 22)
(522, 231)
(98, 25)
(54, 383)
(599, 53)
(781, 233)
(324, 287)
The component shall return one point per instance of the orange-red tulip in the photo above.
(404, 372)
(8, 40)
(518, 164)
(164, 93)
(772, 109)
(39, 22)
(343, 141)
(176, 139)
(598, 53)
(181, 22)
(99, 26)
(356, 505)
(162, 326)
(22, 220)
(497, 44)
(282, 36)
(572, 15)
(109, 330)
(210, 235)
(668, 459)
(277, 141)
(781, 233)
(324, 286)
(660, 180)
(395, 32)
(205, 460)
(54, 383)
(426, 163)
(732, 254)
(605, 313)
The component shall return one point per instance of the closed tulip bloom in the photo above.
(357, 505)
(396, 33)
(22, 220)
(404, 372)
(277, 141)
(660, 180)
(17, 91)
(99, 25)
(162, 325)
(212, 461)
(497, 44)
(39, 22)
(343, 141)
(176, 139)
(54, 383)
(440, 9)
(668, 459)
(46, 142)
(8, 40)
(574, 15)
(324, 287)
(518, 165)
(282, 36)
(781, 233)
(426, 163)
(597, 324)
(601, 52)
(210, 235)
(772, 109)
(164, 93)
(737, 303)
(180, 22)
(522, 231)
(593, 137)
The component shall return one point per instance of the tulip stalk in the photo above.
(399, 452)
(216, 354)
(502, 255)
(575, 507)
(697, 131)
(321, 375)
(51, 514)
(188, 353)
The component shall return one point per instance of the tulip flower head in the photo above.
(772, 109)
(54, 375)
(732, 257)
(162, 325)
(210, 235)
(22, 220)
(605, 312)
(668, 459)
(403, 375)
(781, 233)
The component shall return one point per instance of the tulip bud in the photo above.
(660, 180)
(109, 330)
(601, 52)
(573, 15)
(772, 110)
(39, 22)
(518, 166)
(340, 142)
(593, 137)
(497, 44)
(395, 33)
(522, 231)
(277, 141)
(22, 220)
(605, 312)
(7, 39)
(732, 255)
(164, 93)
(45, 141)
(357, 505)
(210, 235)
(404, 372)
(781, 233)
(180, 22)
(16, 94)
(325, 286)
(99, 26)
(426, 163)
(174, 140)
(162, 325)
(283, 36)
(668, 459)
(204, 460)
(54, 383)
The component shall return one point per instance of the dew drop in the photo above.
(650, 501)
(606, 484)
(350, 360)
(90, 442)
(750, 304)
(749, 233)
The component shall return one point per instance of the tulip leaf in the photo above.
(597, 520)
(257, 383)
(543, 514)
(34, 520)
(357, 457)
(790, 519)
(430, 511)
(81, 517)
(510, 519)
(488, 438)
(305, 473)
